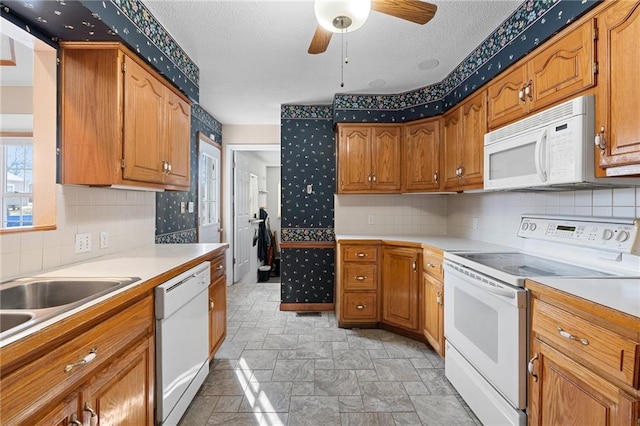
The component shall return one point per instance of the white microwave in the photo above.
(553, 149)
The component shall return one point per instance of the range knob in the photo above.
(525, 226)
(607, 234)
(622, 236)
(533, 226)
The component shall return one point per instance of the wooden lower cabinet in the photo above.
(217, 314)
(433, 317)
(63, 414)
(567, 393)
(401, 287)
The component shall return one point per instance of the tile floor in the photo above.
(280, 368)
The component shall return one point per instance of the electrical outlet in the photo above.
(183, 207)
(104, 239)
(475, 223)
(370, 219)
(83, 242)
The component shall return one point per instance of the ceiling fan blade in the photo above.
(410, 10)
(320, 41)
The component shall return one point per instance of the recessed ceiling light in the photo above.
(377, 83)
(429, 64)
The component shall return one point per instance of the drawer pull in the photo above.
(220, 267)
(360, 307)
(74, 420)
(431, 265)
(530, 366)
(361, 277)
(361, 254)
(86, 360)
(572, 337)
(94, 415)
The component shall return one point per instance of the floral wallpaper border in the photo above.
(306, 111)
(207, 119)
(531, 24)
(180, 237)
(307, 234)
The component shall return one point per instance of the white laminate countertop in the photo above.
(145, 262)
(438, 241)
(622, 294)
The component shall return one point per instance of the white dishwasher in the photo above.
(182, 341)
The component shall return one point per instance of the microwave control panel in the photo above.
(614, 235)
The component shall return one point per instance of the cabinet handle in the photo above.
(600, 140)
(521, 94)
(528, 90)
(361, 277)
(211, 304)
(414, 266)
(431, 265)
(570, 336)
(220, 267)
(375, 179)
(530, 366)
(94, 416)
(439, 298)
(369, 178)
(361, 254)
(435, 177)
(360, 307)
(168, 167)
(164, 165)
(86, 360)
(74, 420)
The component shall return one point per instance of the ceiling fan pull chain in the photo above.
(341, 61)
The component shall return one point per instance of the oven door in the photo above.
(486, 321)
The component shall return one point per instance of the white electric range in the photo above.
(486, 303)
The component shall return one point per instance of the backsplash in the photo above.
(128, 216)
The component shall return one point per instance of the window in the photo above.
(209, 187)
(16, 160)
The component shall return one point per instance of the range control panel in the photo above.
(612, 234)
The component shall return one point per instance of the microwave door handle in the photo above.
(539, 152)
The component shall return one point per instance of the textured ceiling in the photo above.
(253, 55)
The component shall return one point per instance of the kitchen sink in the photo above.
(28, 301)
(10, 320)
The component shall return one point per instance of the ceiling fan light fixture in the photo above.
(339, 15)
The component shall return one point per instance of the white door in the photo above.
(243, 235)
(208, 191)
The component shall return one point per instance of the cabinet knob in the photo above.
(86, 360)
(360, 307)
(361, 277)
(600, 140)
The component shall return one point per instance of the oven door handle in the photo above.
(498, 291)
(540, 156)
(458, 270)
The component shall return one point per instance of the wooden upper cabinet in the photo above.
(422, 156)
(463, 144)
(369, 159)
(562, 68)
(618, 95)
(143, 103)
(122, 123)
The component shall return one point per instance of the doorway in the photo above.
(261, 161)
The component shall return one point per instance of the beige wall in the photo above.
(16, 99)
(253, 134)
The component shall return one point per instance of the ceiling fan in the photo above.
(337, 16)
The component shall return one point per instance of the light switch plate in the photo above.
(183, 207)
(190, 206)
(104, 239)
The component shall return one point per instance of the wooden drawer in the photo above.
(603, 350)
(432, 263)
(48, 372)
(360, 306)
(217, 267)
(357, 253)
(360, 276)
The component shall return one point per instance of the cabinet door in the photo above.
(422, 156)
(400, 287)
(451, 150)
(433, 305)
(385, 158)
(122, 393)
(505, 104)
(178, 148)
(473, 116)
(143, 117)
(354, 159)
(564, 68)
(618, 98)
(217, 314)
(63, 414)
(566, 393)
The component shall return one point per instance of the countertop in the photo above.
(146, 262)
(438, 241)
(622, 294)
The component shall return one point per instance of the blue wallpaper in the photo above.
(171, 225)
(308, 158)
(307, 275)
(531, 24)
